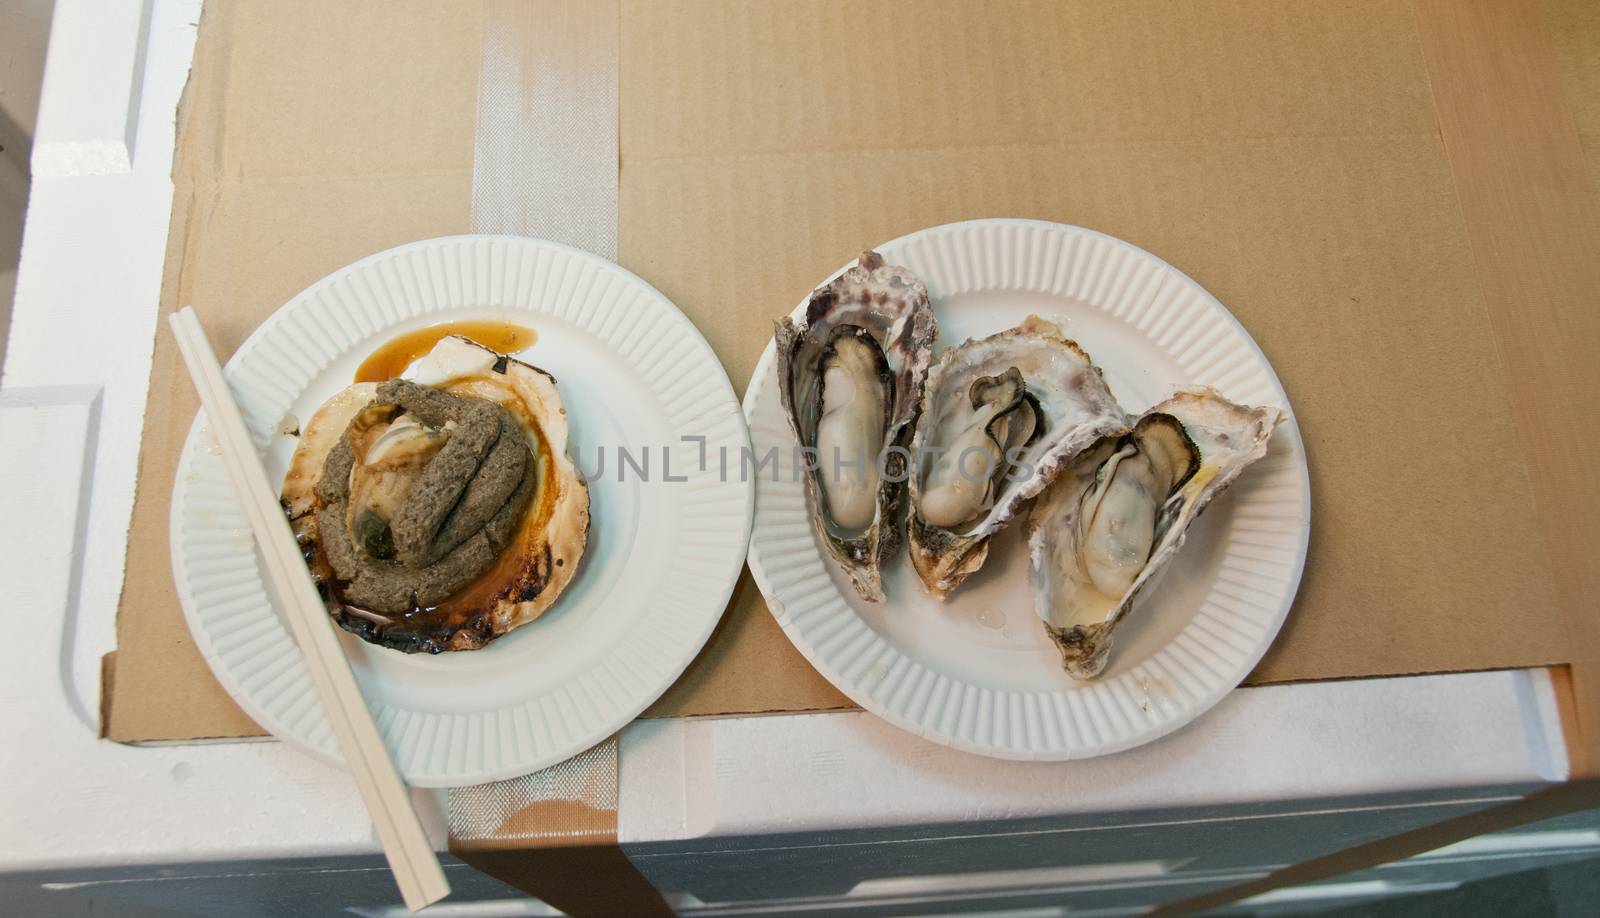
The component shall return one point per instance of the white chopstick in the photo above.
(411, 857)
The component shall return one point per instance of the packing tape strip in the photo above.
(545, 165)
(572, 802)
(544, 161)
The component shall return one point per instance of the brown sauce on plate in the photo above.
(392, 358)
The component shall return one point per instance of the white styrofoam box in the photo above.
(91, 125)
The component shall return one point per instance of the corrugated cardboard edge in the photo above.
(108, 675)
(1532, 216)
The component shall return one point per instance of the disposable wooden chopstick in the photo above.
(411, 858)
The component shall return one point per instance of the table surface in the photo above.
(88, 285)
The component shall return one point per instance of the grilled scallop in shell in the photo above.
(1114, 520)
(440, 511)
(1001, 417)
(850, 376)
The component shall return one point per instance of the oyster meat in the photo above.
(440, 510)
(850, 376)
(1110, 524)
(1001, 417)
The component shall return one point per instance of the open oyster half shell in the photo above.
(1001, 417)
(1116, 517)
(850, 375)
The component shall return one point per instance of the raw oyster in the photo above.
(850, 376)
(1001, 417)
(1116, 517)
(440, 510)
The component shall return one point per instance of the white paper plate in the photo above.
(977, 672)
(662, 558)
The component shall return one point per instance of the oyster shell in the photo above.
(850, 377)
(1001, 417)
(1116, 517)
(440, 511)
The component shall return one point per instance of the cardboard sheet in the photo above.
(1288, 157)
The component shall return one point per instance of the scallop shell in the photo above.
(544, 551)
